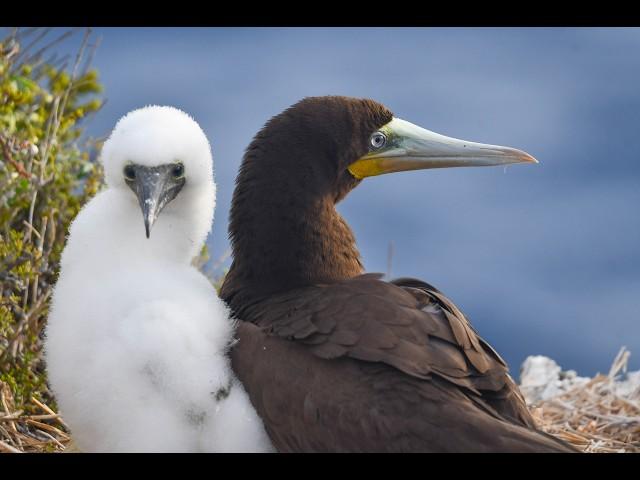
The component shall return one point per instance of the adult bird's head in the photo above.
(160, 160)
(308, 158)
(345, 140)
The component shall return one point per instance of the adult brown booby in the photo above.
(337, 360)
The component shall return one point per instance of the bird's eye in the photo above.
(378, 140)
(129, 172)
(178, 170)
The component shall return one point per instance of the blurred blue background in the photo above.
(544, 259)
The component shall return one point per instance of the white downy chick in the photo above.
(137, 339)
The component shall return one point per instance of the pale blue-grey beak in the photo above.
(405, 146)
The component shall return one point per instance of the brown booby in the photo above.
(335, 360)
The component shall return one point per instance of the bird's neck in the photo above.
(286, 239)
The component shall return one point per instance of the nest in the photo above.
(598, 416)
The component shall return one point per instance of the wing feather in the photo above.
(380, 352)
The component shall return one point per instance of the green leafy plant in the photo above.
(46, 175)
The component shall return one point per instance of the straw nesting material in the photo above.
(599, 415)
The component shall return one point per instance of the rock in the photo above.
(542, 378)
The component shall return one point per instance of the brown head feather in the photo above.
(284, 229)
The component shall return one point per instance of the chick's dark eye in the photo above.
(378, 140)
(178, 170)
(129, 172)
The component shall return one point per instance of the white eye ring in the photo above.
(378, 140)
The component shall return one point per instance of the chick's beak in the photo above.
(155, 187)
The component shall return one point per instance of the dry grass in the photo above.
(20, 433)
(595, 417)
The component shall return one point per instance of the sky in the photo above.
(543, 259)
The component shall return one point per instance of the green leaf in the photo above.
(25, 84)
(23, 186)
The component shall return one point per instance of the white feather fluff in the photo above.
(137, 338)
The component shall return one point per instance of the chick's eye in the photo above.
(378, 140)
(178, 170)
(129, 172)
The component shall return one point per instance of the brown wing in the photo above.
(393, 367)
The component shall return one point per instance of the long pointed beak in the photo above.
(410, 147)
(155, 187)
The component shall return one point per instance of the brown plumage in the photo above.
(334, 360)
